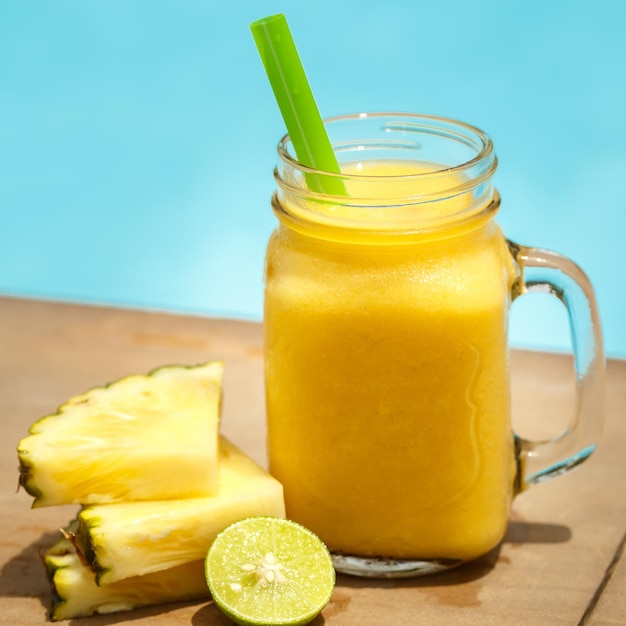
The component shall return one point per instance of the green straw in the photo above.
(297, 104)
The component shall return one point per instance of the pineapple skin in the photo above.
(75, 592)
(143, 437)
(123, 540)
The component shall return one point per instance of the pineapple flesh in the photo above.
(75, 592)
(129, 539)
(143, 437)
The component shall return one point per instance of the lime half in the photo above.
(267, 571)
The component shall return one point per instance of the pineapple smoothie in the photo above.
(387, 291)
(387, 376)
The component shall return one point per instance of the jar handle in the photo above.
(544, 271)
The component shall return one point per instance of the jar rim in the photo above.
(462, 132)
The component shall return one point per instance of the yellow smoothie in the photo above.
(387, 385)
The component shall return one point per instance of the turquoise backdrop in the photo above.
(137, 137)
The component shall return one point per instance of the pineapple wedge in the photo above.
(76, 594)
(133, 539)
(139, 438)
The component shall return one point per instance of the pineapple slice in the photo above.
(135, 538)
(139, 438)
(76, 594)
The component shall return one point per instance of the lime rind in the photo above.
(266, 571)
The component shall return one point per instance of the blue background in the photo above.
(137, 137)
